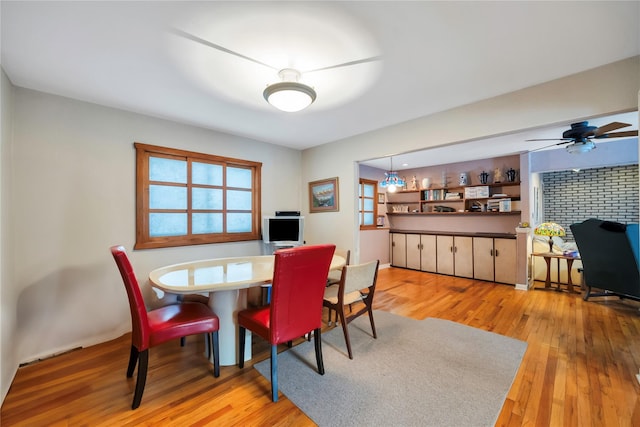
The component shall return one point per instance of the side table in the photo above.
(548, 256)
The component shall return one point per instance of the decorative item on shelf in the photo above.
(414, 183)
(404, 180)
(483, 177)
(426, 183)
(497, 175)
(464, 178)
(401, 209)
(392, 181)
(443, 179)
(511, 175)
(549, 229)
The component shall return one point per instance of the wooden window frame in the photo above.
(145, 241)
(362, 198)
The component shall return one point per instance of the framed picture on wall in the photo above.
(323, 195)
(380, 198)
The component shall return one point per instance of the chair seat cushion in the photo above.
(179, 320)
(331, 295)
(256, 320)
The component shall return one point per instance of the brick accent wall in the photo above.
(609, 193)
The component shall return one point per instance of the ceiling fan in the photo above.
(292, 94)
(580, 137)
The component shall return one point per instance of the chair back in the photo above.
(344, 253)
(299, 280)
(139, 321)
(607, 256)
(359, 276)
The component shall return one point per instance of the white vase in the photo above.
(426, 182)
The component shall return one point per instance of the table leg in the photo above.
(226, 305)
(547, 282)
(569, 281)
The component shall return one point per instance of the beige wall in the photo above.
(74, 197)
(8, 294)
(608, 89)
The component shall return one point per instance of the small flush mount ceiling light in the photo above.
(580, 147)
(289, 95)
(392, 181)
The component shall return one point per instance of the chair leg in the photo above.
(274, 372)
(215, 350)
(143, 363)
(317, 339)
(345, 330)
(373, 325)
(133, 359)
(242, 333)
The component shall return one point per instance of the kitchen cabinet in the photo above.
(494, 259)
(505, 260)
(455, 255)
(421, 252)
(413, 251)
(490, 258)
(428, 250)
(398, 250)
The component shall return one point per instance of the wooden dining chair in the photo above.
(357, 283)
(154, 327)
(333, 277)
(299, 281)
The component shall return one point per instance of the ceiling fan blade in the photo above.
(606, 128)
(548, 146)
(551, 139)
(347, 64)
(624, 134)
(207, 43)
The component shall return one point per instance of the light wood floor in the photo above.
(579, 368)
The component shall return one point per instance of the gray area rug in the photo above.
(430, 372)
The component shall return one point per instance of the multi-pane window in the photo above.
(187, 198)
(367, 203)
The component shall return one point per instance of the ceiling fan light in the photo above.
(580, 147)
(289, 96)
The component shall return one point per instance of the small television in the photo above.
(283, 230)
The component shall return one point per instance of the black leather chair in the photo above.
(609, 253)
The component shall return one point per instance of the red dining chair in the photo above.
(297, 290)
(154, 327)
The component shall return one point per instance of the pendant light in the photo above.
(392, 181)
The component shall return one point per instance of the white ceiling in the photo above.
(434, 56)
(503, 145)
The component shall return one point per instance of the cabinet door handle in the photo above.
(451, 249)
(455, 249)
(491, 252)
(497, 252)
(393, 243)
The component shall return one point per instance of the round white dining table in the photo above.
(226, 280)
